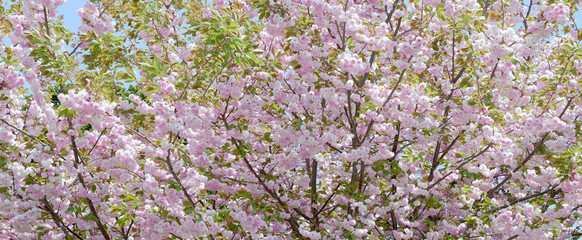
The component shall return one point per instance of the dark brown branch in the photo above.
(467, 160)
(291, 220)
(100, 225)
(395, 143)
(381, 234)
(456, 78)
(435, 161)
(550, 189)
(328, 199)
(57, 219)
(368, 130)
(90, 203)
(314, 195)
(394, 222)
(363, 81)
(397, 27)
(100, 14)
(389, 14)
(444, 153)
(144, 137)
(177, 178)
(176, 236)
(527, 15)
(46, 26)
(126, 235)
(529, 156)
(23, 132)
(494, 69)
(334, 148)
(97, 141)
(393, 89)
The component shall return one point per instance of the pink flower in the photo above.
(165, 31)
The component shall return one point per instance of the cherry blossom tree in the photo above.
(291, 119)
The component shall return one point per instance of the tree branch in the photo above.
(550, 189)
(90, 203)
(529, 156)
(291, 220)
(57, 219)
(46, 26)
(467, 160)
(363, 81)
(177, 179)
(393, 89)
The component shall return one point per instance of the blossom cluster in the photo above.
(303, 119)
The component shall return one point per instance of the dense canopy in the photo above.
(291, 119)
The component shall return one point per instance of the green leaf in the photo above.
(466, 82)
(244, 194)
(242, 151)
(267, 137)
(544, 150)
(197, 84)
(116, 209)
(189, 209)
(151, 88)
(90, 217)
(107, 89)
(64, 111)
(258, 51)
(36, 41)
(174, 185)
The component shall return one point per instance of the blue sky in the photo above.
(70, 17)
(73, 21)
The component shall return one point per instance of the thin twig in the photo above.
(48, 32)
